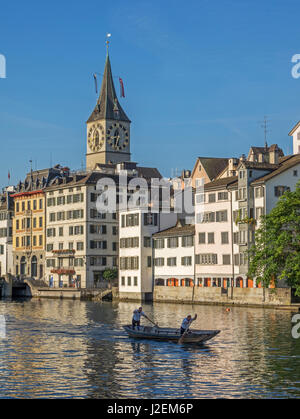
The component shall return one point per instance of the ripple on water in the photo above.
(79, 349)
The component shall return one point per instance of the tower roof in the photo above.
(108, 106)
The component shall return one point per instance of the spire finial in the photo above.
(107, 42)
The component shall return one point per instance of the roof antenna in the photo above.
(264, 125)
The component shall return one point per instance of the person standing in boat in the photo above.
(186, 323)
(136, 319)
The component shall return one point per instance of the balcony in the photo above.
(64, 252)
(63, 271)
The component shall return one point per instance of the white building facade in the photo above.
(137, 227)
(174, 256)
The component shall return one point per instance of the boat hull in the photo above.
(169, 334)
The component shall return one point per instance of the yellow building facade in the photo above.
(29, 234)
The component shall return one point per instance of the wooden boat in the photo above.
(169, 334)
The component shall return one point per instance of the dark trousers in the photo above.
(182, 330)
(135, 323)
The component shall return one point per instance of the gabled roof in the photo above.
(108, 103)
(294, 129)
(258, 165)
(212, 165)
(287, 164)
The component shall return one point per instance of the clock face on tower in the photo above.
(96, 137)
(117, 136)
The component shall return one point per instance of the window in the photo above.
(186, 261)
(201, 238)
(80, 246)
(172, 242)
(280, 190)
(150, 219)
(130, 263)
(187, 241)
(97, 244)
(51, 232)
(212, 197)
(123, 281)
(147, 241)
(221, 216)
(159, 243)
(129, 242)
(49, 247)
(222, 196)
(129, 281)
(209, 217)
(200, 198)
(226, 259)
(52, 217)
(159, 262)
(210, 238)
(98, 229)
(132, 220)
(171, 261)
(207, 259)
(225, 237)
(135, 281)
(149, 261)
(259, 192)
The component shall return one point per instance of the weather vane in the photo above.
(107, 41)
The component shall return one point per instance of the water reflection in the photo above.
(59, 348)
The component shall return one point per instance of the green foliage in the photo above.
(110, 274)
(276, 253)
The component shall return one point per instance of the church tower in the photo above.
(108, 127)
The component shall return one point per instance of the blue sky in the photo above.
(199, 77)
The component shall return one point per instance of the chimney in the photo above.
(273, 154)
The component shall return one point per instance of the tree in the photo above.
(110, 274)
(276, 253)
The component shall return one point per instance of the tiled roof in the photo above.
(213, 165)
(285, 165)
(222, 182)
(185, 230)
(258, 165)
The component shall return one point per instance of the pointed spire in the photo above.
(108, 102)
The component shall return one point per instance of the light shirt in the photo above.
(137, 315)
(185, 323)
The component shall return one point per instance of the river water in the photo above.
(78, 349)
